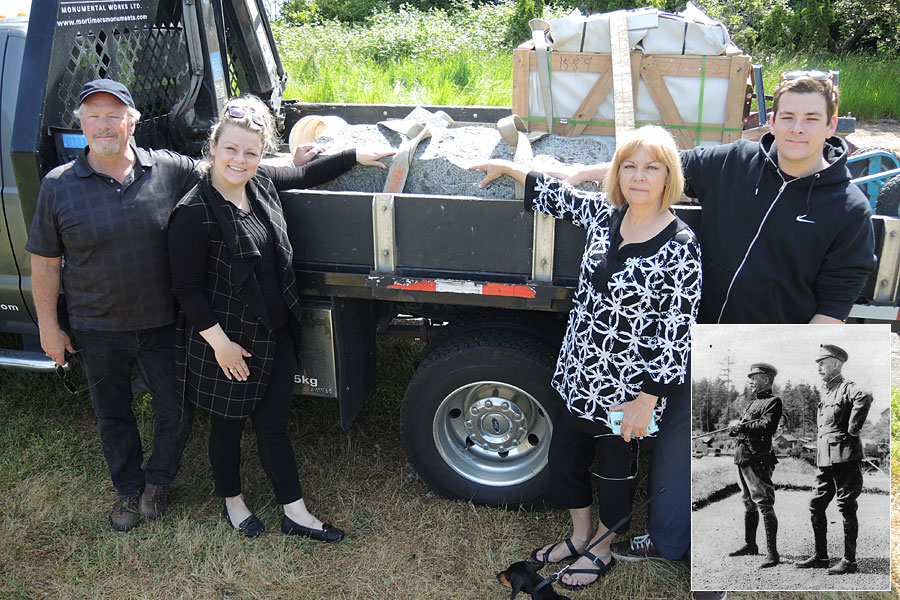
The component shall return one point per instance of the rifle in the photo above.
(694, 437)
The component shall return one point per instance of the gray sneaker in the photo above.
(638, 548)
(124, 514)
(154, 501)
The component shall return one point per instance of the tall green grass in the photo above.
(457, 79)
(870, 88)
(404, 57)
(416, 57)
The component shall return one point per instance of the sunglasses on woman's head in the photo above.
(239, 112)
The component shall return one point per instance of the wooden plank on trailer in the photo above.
(692, 66)
(676, 65)
(575, 62)
(734, 103)
(664, 103)
(708, 135)
(521, 81)
(636, 59)
(595, 97)
(623, 99)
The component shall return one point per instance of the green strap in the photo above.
(702, 89)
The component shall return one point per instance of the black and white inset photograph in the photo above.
(790, 468)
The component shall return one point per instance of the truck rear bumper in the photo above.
(24, 360)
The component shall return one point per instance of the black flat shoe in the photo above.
(327, 534)
(251, 526)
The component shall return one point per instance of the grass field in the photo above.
(404, 542)
(711, 474)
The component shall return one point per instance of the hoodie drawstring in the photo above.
(804, 218)
(749, 248)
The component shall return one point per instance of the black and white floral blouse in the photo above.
(629, 330)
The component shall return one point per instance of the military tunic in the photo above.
(754, 456)
(842, 411)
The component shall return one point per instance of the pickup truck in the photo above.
(490, 282)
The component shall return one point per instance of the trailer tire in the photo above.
(476, 419)
(888, 202)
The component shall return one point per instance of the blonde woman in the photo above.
(238, 326)
(628, 336)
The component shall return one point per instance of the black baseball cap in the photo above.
(108, 86)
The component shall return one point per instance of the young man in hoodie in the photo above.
(786, 238)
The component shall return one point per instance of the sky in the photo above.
(792, 349)
(10, 8)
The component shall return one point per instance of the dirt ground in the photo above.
(718, 529)
(882, 134)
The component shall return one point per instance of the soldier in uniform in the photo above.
(756, 462)
(842, 411)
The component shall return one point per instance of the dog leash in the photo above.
(548, 580)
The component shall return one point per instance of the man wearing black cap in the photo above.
(842, 412)
(756, 460)
(106, 213)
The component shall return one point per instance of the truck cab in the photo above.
(15, 270)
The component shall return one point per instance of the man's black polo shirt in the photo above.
(113, 238)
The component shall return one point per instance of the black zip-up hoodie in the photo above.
(814, 243)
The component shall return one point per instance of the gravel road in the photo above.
(718, 528)
(882, 134)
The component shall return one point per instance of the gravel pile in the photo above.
(441, 162)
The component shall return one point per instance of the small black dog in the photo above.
(523, 576)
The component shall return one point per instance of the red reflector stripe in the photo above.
(502, 289)
(420, 286)
(466, 287)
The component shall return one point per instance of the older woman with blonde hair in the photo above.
(627, 340)
(238, 326)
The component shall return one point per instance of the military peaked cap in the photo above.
(763, 369)
(832, 351)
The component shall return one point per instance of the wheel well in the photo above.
(545, 328)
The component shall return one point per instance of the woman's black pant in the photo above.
(270, 420)
(572, 453)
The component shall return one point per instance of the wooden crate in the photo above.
(651, 70)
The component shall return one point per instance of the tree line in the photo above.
(716, 403)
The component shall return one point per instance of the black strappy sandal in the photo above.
(601, 570)
(568, 542)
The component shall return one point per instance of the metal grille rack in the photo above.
(150, 59)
